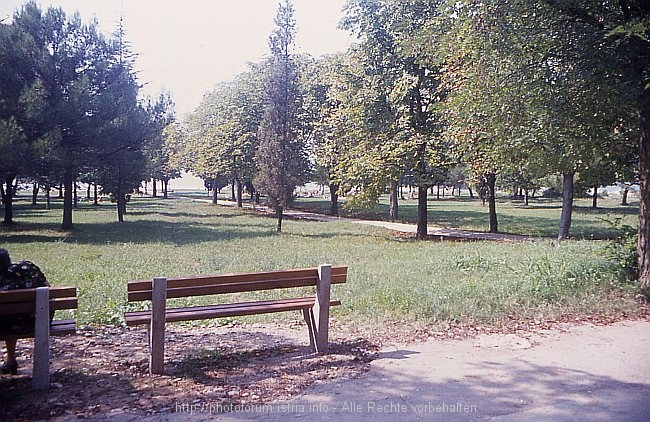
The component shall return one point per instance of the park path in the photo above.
(435, 231)
(570, 373)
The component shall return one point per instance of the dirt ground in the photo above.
(102, 370)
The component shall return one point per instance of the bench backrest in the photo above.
(234, 283)
(24, 300)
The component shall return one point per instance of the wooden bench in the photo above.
(40, 302)
(315, 309)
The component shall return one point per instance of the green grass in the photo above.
(540, 218)
(390, 278)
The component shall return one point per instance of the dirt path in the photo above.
(434, 231)
(587, 372)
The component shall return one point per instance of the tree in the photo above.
(321, 83)
(528, 95)
(21, 138)
(404, 126)
(623, 29)
(71, 61)
(222, 132)
(162, 112)
(281, 159)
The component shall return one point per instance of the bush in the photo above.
(622, 251)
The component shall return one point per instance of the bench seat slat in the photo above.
(59, 327)
(225, 310)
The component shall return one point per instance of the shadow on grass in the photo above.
(137, 232)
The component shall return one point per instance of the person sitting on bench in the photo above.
(20, 275)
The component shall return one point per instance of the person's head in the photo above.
(5, 261)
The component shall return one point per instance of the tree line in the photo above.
(71, 110)
(507, 90)
(513, 90)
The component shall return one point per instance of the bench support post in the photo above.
(308, 314)
(322, 307)
(157, 328)
(41, 367)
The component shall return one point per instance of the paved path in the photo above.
(584, 373)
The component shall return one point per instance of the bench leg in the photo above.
(322, 308)
(309, 319)
(157, 328)
(41, 368)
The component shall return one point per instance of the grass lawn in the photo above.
(390, 278)
(540, 218)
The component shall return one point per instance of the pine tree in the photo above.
(281, 158)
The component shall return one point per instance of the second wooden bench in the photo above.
(41, 303)
(315, 309)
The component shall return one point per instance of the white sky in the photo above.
(186, 46)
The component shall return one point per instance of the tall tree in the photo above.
(22, 139)
(622, 27)
(71, 60)
(222, 136)
(400, 95)
(281, 158)
(529, 94)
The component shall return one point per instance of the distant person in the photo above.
(20, 275)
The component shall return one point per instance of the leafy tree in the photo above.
(322, 86)
(281, 158)
(622, 28)
(222, 134)
(406, 133)
(527, 95)
(162, 111)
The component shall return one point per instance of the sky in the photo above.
(185, 47)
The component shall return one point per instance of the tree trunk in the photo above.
(594, 198)
(421, 228)
(492, 202)
(215, 191)
(48, 202)
(121, 205)
(278, 212)
(165, 183)
(471, 192)
(68, 181)
(643, 247)
(154, 187)
(95, 195)
(567, 205)
(526, 197)
(334, 199)
(35, 189)
(239, 189)
(9, 200)
(88, 191)
(624, 197)
(75, 200)
(233, 196)
(394, 204)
